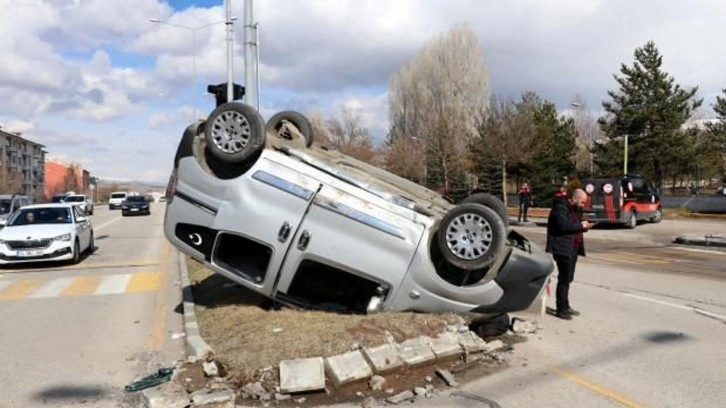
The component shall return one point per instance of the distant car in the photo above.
(134, 205)
(162, 199)
(82, 201)
(622, 200)
(9, 204)
(46, 232)
(116, 198)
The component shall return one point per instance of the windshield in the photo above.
(4, 206)
(118, 195)
(75, 199)
(136, 199)
(41, 215)
(58, 198)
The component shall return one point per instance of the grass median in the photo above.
(248, 336)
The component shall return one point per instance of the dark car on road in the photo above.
(134, 205)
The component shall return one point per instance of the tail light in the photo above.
(171, 187)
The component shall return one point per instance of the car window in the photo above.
(4, 206)
(41, 215)
(136, 199)
(638, 186)
(76, 199)
(118, 195)
(77, 213)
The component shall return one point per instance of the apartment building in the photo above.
(20, 156)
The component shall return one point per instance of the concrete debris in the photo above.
(369, 402)
(299, 375)
(217, 398)
(300, 400)
(494, 346)
(376, 382)
(210, 369)
(277, 330)
(360, 394)
(401, 397)
(389, 391)
(520, 326)
(255, 390)
(419, 391)
(488, 403)
(447, 377)
(175, 336)
(428, 379)
(168, 395)
(282, 397)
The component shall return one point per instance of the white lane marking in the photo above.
(51, 289)
(695, 309)
(5, 284)
(105, 224)
(704, 251)
(113, 284)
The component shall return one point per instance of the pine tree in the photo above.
(717, 131)
(650, 108)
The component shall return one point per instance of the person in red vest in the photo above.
(565, 242)
(525, 200)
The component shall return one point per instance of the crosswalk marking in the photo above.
(85, 285)
(19, 289)
(82, 285)
(113, 284)
(51, 289)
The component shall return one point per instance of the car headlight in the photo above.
(144, 206)
(64, 237)
(125, 207)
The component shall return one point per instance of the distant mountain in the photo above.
(132, 185)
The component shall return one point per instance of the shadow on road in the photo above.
(80, 394)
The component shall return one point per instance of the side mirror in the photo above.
(81, 219)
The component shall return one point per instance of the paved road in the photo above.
(650, 335)
(75, 335)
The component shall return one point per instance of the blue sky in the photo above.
(101, 85)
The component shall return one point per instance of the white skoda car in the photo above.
(46, 232)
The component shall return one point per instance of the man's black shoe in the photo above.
(563, 315)
(573, 312)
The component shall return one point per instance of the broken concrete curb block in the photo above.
(494, 346)
(383, 359)
(347, 368)
(304, 374)
(219, 398)
(446, 345)
(447, 377)
(470, 342)
(168, 395)
(210, 369)
(376, 383)
(399, 398)
(416, 352)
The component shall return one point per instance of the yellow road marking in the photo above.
(156, 342)
(599, 389)
(19, 290)
(144, 282)
(82, 285)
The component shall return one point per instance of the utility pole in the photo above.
(625, 158)
(230, 50)
(250, 48)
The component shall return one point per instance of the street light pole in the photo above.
(589, 135)
(230, 50)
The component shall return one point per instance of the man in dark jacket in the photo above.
(525, 200)
(565, 229)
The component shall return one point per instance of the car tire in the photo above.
(274, 127)
(76, 253)
(658, 216)
(246, 127)
(490, 201)
(493, 327)
(632, 220)
(471, 236)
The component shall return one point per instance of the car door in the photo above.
(83, 227)
(351, 235)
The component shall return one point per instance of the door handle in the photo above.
(304, 240)
(284, 233)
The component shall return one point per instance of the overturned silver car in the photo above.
(314, 228)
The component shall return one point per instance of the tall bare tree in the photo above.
(406, 157)
(436, 98)
(71, 182)
(346, 134)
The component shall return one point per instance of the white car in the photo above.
(46, 232)
(81, 201)
(116, 198)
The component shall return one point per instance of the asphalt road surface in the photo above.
(651, 333)
(76, 335)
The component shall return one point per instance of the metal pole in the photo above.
(592, 158)
(250, 66)
(194, 74)
(230, 50)
(625, 160)
(257, 63)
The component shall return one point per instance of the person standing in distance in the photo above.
(525, 199)
(565, 241)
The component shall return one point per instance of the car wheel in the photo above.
(490, 201)
(234, 132)
(494, 327)
(76, 253)
(279, 127)
(471, 236)
(658, 216)
(632, 220)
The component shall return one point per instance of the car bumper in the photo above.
(135, 211)
(56, 252)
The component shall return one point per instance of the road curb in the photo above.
(701, 242)
(197, 348)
